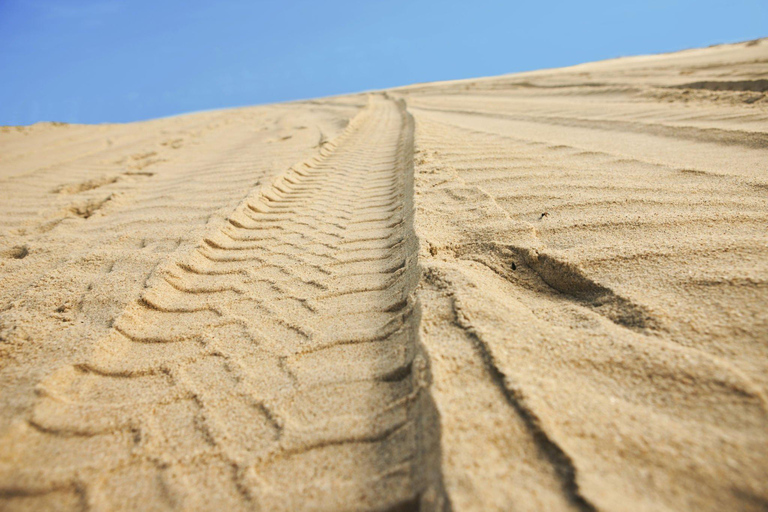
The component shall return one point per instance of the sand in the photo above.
(540, 291)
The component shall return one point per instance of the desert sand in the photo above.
(540, 291)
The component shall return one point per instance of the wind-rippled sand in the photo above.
(541, 291)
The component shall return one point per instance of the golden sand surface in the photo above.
(540, 291)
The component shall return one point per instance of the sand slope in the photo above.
(542, 291)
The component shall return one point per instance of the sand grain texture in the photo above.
(541, 291)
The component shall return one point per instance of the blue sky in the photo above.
(92, 61)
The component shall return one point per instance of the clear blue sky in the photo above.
(91, 61)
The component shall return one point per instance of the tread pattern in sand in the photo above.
(273, 365)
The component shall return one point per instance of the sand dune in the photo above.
(541, 291)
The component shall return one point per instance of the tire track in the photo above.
(727, 137)
(276, 365)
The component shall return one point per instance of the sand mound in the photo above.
(542, 291)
